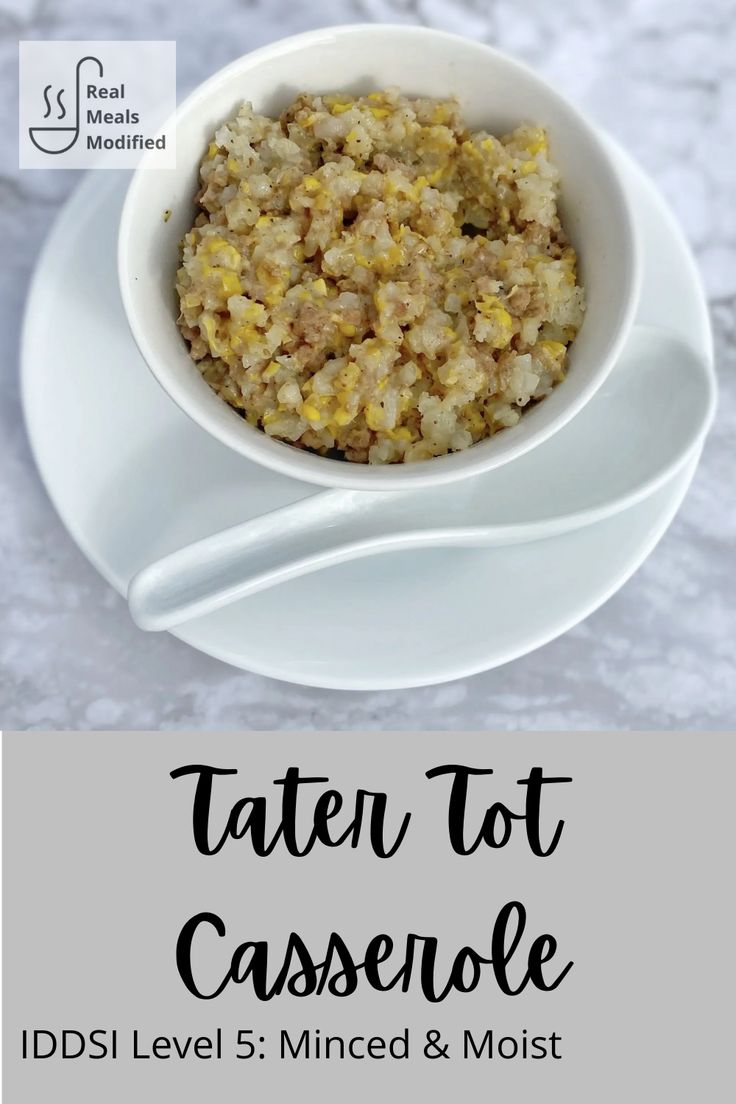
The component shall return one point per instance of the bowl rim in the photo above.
(309, 467)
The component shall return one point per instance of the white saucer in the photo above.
(132, 478)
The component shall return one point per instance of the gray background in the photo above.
(640, 900)
(659, 76)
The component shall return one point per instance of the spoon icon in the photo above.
(647, 419)
(59, 139)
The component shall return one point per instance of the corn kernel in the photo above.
(538, 142)
(379, 112)
(474, 420)
(243, 335)
(270, 371)
(471, 150)
(229, 281)
(554, 348)
(341, 108)
(208, 324)
(486, 303)
(490, 307)
(349, 375)
(343, 417)
(254, 312)
(374, 416)
(219, 245)
(311, 413)
(311, 184)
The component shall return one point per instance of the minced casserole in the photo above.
(369, 279)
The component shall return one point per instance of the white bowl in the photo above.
(496, 93)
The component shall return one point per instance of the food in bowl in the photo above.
(369, 279)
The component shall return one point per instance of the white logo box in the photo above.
(91, 104)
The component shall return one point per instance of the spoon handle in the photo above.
(319, 531)
(249, 557)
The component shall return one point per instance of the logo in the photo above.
(55, 139)
(96, 104)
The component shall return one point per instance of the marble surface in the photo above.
(660, 654)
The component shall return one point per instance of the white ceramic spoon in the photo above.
(650, 414)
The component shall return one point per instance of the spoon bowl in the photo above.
(647, 418)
